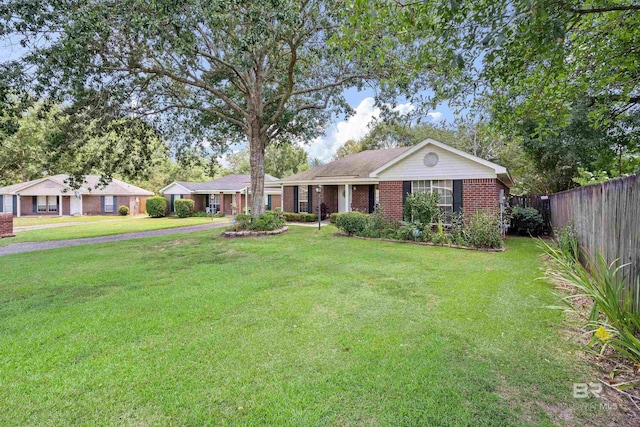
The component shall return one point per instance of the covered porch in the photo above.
(334, 197)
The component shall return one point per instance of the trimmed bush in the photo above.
(483, 230)
(156, 206)
(184, 207)
(352, 222)
(123, 210)
(526, 221)
(334, 216)
(378, 225)
(300, 217)
(268, 221)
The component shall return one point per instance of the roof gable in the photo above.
(90, 185)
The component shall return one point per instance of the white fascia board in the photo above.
(187, 191)
(332, 181)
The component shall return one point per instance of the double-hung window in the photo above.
(108, 204)
(303, 199)
(8, 203)
(444, 189)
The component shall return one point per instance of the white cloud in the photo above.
(355, 127)
(434, 115)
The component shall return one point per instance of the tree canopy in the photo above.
(225, 70)
(283, 159)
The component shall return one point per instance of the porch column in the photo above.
(222, 203)
(347, 197)
(137, 204)
(282, 197)
(60, 205)
(18, 207)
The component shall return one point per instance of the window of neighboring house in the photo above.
(444, 188)
(47, 203)
(108, 204)
(214, 203)
(8, 203)
(303, 199)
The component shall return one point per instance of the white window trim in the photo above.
(302, 189)
(109, 208)
(432, 187)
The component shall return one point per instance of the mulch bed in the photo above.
(444, 245)
(248, 233)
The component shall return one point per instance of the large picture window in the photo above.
(303, 199)
(444, 188)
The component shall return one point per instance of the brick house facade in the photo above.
(382, 179)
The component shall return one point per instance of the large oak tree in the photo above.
(217, 70)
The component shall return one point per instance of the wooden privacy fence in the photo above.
(606, 218)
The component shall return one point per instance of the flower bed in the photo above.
(249, 233)
(444, 245)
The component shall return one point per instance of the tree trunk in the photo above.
(256, 160)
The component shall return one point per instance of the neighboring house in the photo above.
(53, 196)
(228, 195)
(383, 178)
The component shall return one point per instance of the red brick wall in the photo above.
(329, 197)
(391, 199)
(288, 198)
(227, 199)
(275, 201)
(91, 205)
(6, 224)
(478, 194)
(360, 198)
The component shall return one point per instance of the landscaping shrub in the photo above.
(184, 207)
(457, 231)
(612, 319)
(200, 214)
(123, 210)
(156, 206)
(422, 208)
(378, 225)
(300, 217)
(352, 222)
(526, 221)
(334, 216)
(242, 222)
(483, 230)
(568, 241)
(268, 221)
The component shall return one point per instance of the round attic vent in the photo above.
(430, 159)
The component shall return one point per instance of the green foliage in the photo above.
(156, 206)
(379, 226)
(457, 230)
(585, 177)
(300, 217)
(268, 221)
(352, 222)
(280, 160)
(123, 210)
(568, 242)
(483, 230)
(612, 320)
(422, 208)
(526, 221)
(334, 217)
(241, 222)
(184, 207)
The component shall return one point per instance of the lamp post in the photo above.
(318, 191)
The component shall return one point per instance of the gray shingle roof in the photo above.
(115, 187)
(358, 165)
(225, 183)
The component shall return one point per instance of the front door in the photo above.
(75, 207)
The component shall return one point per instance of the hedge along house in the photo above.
(384, 178)
(53, 196)
(229, 195)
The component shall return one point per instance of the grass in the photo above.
(304, 328)
(105, 228)
(26, 221)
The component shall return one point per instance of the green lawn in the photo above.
(25, 221)
(305, 329)
(105, 228)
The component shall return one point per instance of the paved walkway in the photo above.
(18, 248)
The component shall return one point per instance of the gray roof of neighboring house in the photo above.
(358, 165)
(90, 186)
(225, 183)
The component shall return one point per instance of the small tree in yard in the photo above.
(156, 206)
(260, 71)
